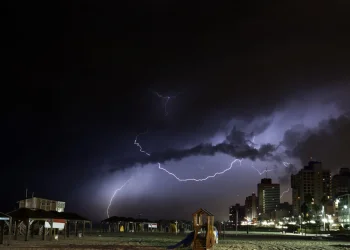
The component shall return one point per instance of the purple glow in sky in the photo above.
(154, 186)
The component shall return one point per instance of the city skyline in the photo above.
(161, 108)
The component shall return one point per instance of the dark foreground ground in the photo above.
(153, 241)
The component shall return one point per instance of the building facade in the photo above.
(268, 196)
(251, 206)
(44, 204)
(341, 183)
(283, 210)
(344, 209)
(239, 211)
(312, 180)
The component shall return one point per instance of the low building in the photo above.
(283, 210)
(344, 209)
(44, 204)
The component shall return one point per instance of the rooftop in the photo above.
(26, 213)
(39, 198)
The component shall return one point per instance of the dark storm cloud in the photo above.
(236, 145)
(284, 178)
(260, 127)
(293, 136)
(328, 142)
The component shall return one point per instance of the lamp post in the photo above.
(247, 225)
(223, 224)
(300, 222)
(324, 219)
(236, 221)
(176, 227)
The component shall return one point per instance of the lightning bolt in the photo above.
(286, 164)
(115, 192)
(204, 179)
(139, 146)
(166, 100)
(284, 192)
(189, 179)
(193, 179)
(263, 172)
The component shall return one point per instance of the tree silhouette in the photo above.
(304, 210)
(308, 199)
(324, 200)
(316, 209)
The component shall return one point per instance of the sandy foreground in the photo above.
(156, 242)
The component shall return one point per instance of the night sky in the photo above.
(264, 82)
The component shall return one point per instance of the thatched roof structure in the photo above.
(26, 213)
(4, 216)
(69, 216)
(115, 219)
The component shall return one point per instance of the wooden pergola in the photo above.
(114, 224)
(75, 219)
(26, 218)
(5, 220)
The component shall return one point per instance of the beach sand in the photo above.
(155, 242)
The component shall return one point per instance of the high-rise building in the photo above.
(239, 210)
(251, 206)
(312, 180)
(341, 183)
(268, 196)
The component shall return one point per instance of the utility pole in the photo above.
(247, 226)
(236, 221)
(25, 204)
(224, 229)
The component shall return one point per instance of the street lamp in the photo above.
(223, 223)
(247, 225)
(300, 222)
(176, 227)
(324, 218)
(236, 221)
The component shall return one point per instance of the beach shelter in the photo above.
(5, 220)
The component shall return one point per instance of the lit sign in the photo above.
(58, 225)
(152, 225)
(4, 218)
